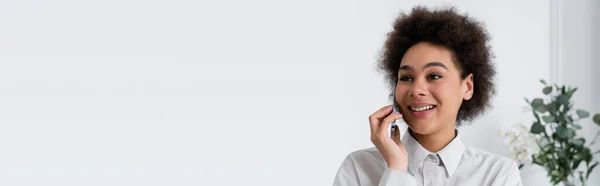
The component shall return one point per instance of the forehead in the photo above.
(422, 53)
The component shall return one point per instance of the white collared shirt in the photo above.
(455, 164)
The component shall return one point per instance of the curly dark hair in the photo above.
(465, 37)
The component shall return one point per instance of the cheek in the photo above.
(400, 95)
(448, 96)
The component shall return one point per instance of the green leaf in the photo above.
(536, 161)
(576, 126)
(576, 164)
(552, 107)
(562, 132)
(537, 128)
(569, 119)
(543, 82)
(541, 109)
(562, 98)
(548, 119)
(539, 158)
(582, 113)
(537, 102)
(570, 133)
(578, 142)
(571, 91)
(555, 173)
(560, 154)
(556, 181)
(597, 119)
(547, 90)
(587, 155)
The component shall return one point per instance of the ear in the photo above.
(467, 87)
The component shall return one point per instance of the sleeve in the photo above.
(514, 177)
(349, 173)
(510, 176)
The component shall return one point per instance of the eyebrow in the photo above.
(430, 64)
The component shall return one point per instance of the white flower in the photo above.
(525, 158)
(521, 143)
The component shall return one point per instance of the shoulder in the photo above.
(368, 157)
(372, 151)
(361, 167)
(492, 169)
(483, 155)
(487, 160)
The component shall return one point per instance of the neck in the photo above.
(436, 141)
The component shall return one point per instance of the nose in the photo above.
(418, 88)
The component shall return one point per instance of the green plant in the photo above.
(555, 125)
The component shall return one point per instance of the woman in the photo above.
(440, 64)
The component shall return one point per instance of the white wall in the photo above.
(579, 55)
(221, 93)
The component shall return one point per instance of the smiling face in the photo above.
(430, 89)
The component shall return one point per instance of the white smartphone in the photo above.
(392, 127)
(399, 124)
(396, 109)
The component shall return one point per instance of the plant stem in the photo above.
(595, 138)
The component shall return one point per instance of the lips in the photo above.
(421, 108)
(421, 111)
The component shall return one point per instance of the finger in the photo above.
(387, 121)
(381, 113)
(375, 118)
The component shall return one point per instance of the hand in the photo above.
(392, 149)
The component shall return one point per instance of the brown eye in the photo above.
(434, 76)
(405, 78)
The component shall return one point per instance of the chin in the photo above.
(423, 128)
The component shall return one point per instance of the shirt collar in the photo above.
(450, 154)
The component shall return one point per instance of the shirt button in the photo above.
(433, 158)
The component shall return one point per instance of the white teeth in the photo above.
(422, 108)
